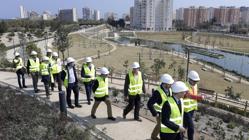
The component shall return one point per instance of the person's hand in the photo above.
(182, 129)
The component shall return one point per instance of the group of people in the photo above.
(173, 103)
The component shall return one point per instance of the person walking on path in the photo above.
(45, 74)
(69, 76)
(56, 68)
(88, 76)
(33, 68)
(20, 70)
(100, 89)
(172, 114)
(155, 103)
(133, 88)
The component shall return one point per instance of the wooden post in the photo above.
(245, 110)
(216, 99)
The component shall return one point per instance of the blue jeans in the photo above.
(189, 124)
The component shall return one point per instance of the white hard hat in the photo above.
(55, 54)
(49, 51)
(135, 65)
(167, 79)
(193, 75)
(104, 70)
(89, 59)
(17, 54)
(179, 86)
(33, 53)
(45, 58)
(70, 60)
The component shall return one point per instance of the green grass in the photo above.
(174, 37)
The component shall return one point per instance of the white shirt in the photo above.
(71, 78)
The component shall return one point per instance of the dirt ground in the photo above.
(24, 117)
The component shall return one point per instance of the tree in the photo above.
(157, 66)
(62, 41)
(112, 69)
(3, 27)
(33, 47)
(181, 73)
(125, 65)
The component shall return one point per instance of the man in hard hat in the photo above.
(133, 88)
(33, 68)
(45, 73)
(69, 76)
(56, 68)
(49, 54)
(190, 102)
(100, 89)
(159, 96)
(172, 113)
(20, 70)
(88, 75)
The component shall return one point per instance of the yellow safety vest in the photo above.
(102, 89)
(88, 72)
(191, 104)
(65, 82)
(136, 85)
(164, 97)
(34, 65)
(44, 68)
(55, 66)
(18, 63)
(176, 115)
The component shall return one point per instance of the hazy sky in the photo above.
(10, 8)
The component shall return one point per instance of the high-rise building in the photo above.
(132, 16)
(155, 15)
(180, 14)
(244, 14)
(23, 12)
(110, 15)
(227, 15)
(202, 15)
(210, 13)
(68, 15)
(96, 15)
(86, 12)
(190, 16)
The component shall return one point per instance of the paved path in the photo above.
(119, 130)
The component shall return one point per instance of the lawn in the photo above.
(223, 42)
(174, 37)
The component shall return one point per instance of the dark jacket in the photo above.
(155, 98)
(127, 83)
(63, 74)
(165, 116)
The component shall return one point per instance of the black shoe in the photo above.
(20, 87)
(25, 87)
(111, 118)
(124, 117)
(93, 116)
(78, 106)
(89, 103)
(91, 99)
(36, 91)
(138, 119)
(71, 106)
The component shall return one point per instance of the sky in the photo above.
(10, 8)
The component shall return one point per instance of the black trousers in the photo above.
(20, 74)
(57, 78)
(171, 136)
(189, 124)
(46, 81)
(35, 77)
(133, 101)
(75, 88)
(88, 87)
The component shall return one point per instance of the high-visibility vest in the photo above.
(102, 89)
(176, 115)
(18, 63)
(34, 65)
(44, 68)
(191, 104)
(164, 97)
(89, 72)
(56, 66)
(65, 82)
(136, 85)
